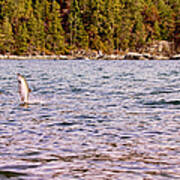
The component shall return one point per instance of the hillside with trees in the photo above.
(60, 26)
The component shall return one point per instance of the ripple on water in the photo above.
(99, 120)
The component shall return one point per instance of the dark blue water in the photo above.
(92, 120)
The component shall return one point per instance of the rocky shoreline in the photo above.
(93, 56)
(157, 50)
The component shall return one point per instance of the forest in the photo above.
(30, 27)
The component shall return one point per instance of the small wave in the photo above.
(19, 167)
(174, 102)
(35, 101)
(63, 124)
(11, 174)
(161, 92)
(76, 89)
(83, 116)
(106, 77)
(163, 102)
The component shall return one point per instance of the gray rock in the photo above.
(175, 57)
(133, 56)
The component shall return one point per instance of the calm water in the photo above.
(94, 120)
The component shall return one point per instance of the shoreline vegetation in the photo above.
(158, 50)
(92, 29)
(93, 56)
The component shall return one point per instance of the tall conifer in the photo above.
(6, 37)
(54, 31)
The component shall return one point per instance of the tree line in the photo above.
(59, 26)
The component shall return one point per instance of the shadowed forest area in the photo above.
(30, 27)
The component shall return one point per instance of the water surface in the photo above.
(93, 120)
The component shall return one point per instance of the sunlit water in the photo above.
(91, 120)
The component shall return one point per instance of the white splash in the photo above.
(36, 100)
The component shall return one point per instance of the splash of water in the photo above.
(36, 100)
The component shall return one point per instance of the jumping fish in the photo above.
(23, 88)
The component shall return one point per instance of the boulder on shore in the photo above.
(175, 57)
(134, 56)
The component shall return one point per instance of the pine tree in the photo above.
(32, 27)
(151, 16)
(106, 25)
(55, 33)
(22, 39)
(116, 26)
(6, 35)
(78, 35)
(166, 19)
(40, 26)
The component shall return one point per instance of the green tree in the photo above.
(77, 34)
(22, 39)
(48, 26)
(167, 23)
(151, 19)
(6, 35)
(54, 32)
(40, 26)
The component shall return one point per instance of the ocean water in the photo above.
(104, 120)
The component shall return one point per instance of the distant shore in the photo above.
(156, 50)
(93, 56)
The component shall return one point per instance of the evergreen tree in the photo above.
(22, 39)
(40, 26)
(6, 37)
(32, 27)
(166, 20)
(117, 20)
(151, 16)
(95, 20)
(55, 33)
(51, 26)
(138, 32)
(78, 36)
